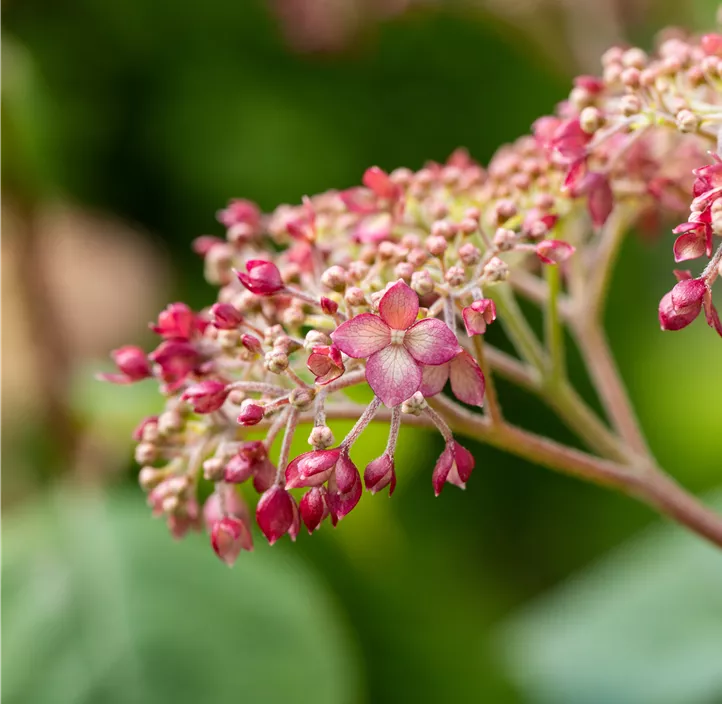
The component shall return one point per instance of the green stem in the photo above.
(553, 330)
(517, 328)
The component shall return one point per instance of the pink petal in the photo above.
(430, 341)
(393, 375)
(467, 379)
(689, 245)
(362, 336)
(433, 379)
(710, 313)
(399, 306)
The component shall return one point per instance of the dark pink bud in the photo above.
(569, 140)
(251, 459)
(311, 468)
(328, 306)
(275, 513)
(225, 316)
(346, 473)
(554, 251)
(591, 84)
(672, 319)
(462, 467)
(688, 294)
(251, 413)
(229, 536)
(313, 508)
(207, 396)
(326, 364)
(262, 278)
(177, 321)
(544, 129)
(264, 476)
(132, 364)
(379, 474)
(442, 468)
(478, 315)
(239, 211)
(176, 359)
(251, 343)
(454, 466)
(341, 503)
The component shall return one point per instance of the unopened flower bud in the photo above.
(276, 362)
(315, 338)
(169, 422)
(415, 405)
(468, 226)
(354, 296)
(214, 469)
(321, 437)
(687, 121)
(422, 282)
(634, 58)
(145, 453)
(469, 254)
(455, 276)
(313, 508)
(404, 270)
(334, 278)
(251, 343)
(630, 105)
(504, 210)
(251, 413)
(225, 316)
(262, 278)
(150, 477)
(504, 239)
(207, 396)
(436, 244)
(591, 119)
(496, 270)
(379, 474)
(302, 398)
(329, 306)
(276, 514)
(478, 315)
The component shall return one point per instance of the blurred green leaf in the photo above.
(644, 626)
(100, 605)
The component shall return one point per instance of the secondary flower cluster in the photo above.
(390, 285)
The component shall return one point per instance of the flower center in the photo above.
(397, 336)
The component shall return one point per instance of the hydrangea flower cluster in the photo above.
(391, 285)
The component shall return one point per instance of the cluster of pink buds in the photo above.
(393, 284)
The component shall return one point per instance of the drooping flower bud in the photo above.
(251, 413)
(313, 508)
(229, 536)
(176, 359)
(379, 474)
(132, 364)
(206, 396)
(344, 489)
(454, 465)
(252, 344)
(262, 278)
(379, 182)
(328, 306)
(478, 315)
(276, 513)
(311, 468)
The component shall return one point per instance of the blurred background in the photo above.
(127, 124)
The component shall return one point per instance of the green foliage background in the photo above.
(159, 112)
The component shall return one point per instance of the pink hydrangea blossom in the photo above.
(395, 345)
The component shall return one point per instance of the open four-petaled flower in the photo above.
(394, 345)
